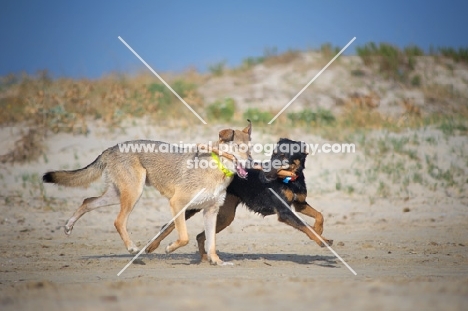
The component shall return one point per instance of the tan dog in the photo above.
(172, 173)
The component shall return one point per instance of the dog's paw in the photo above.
(67, 229)
(175, 245)
(152, 247)
(133, 249)
(329, 242)
(168, 250)
(218, 262)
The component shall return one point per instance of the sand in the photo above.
(409, 253)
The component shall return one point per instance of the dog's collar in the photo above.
(288, 179)
(221, 166)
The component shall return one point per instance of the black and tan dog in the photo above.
(254, 193)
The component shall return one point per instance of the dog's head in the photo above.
(288, 155)
(237, 143)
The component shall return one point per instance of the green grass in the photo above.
(163, 96)
(416, 81)
(250, 62)
(222, 110)
(328, 50)
(458, 55)
(395, 63)
(257, 116)
(314, 117)
(217, 69)
(383, 190)
(391, 62)
(450, 126)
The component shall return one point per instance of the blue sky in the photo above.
(79, 38)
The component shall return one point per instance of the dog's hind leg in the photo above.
(286, 216)
(109, 197)
(226, 214)
(306, 209)
(167, 231)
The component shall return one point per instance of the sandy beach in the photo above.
(409, 252)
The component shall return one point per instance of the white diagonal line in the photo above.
(161, 231)
(316, 76)
(162, 80)
(313, 231)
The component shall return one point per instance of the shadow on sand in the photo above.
(322, 261)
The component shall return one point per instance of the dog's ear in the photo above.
(248, 129)
(226, 135)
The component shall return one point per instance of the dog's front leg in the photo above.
(209, 216)
(180, 225)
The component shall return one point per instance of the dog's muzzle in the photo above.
(241, 172)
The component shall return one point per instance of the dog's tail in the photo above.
(82, 177)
